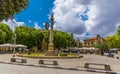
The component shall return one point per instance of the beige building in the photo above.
(91, 42)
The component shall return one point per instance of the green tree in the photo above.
(61, 39)
(46, 36)
(29, 36)
(102, 46)
(10, 7)
(2, 36)
(118, 31)
(6, 34)
(113, 41)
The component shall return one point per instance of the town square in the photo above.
(59, 37)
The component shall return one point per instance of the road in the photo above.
(17, 69)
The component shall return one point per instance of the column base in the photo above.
(51, 51)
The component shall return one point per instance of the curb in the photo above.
(58, 67)
(54, 57)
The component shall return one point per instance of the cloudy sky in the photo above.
(83, 18)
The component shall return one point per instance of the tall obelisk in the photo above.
(50, 51)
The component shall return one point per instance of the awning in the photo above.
(6, 45)
(20, 46)
(11, 45)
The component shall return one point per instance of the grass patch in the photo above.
(42, 54)
(33, 54)
(72, 55)
(63, 54)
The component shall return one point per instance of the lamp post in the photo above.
(14, 43)
(35, 46)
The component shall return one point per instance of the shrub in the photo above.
(63, 54)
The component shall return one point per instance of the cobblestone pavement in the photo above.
(76, 63)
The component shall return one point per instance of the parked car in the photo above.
(112, 52)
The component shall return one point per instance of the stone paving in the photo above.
(18, 69)
(76, 63)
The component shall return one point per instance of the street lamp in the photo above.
(14, 42)
(35, 46)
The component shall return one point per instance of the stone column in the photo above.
(51, 30)
(50, 51)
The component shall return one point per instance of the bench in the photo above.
(107, 67)
(54, 62)
(18, 59)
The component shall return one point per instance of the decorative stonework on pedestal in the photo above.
(50, 51)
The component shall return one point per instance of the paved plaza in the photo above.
(65, 63)
(16, 69)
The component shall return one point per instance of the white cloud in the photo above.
(65, 13)
(103, 16)
(12, 23)
(36, 26)
(118, 24)
(29, 21)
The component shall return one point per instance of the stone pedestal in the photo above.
(50, 51)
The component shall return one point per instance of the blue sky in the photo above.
(37, 12)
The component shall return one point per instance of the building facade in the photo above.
(91, 42)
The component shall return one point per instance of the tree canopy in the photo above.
(9, 7)
(61, 39)
(29, 36)
(6, 34)
(102, 46)
(114, 40)
(118, 31)
(32, 37)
